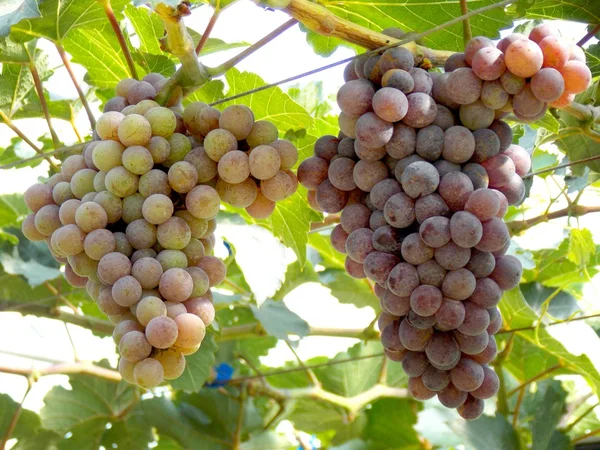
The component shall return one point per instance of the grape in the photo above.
(338, 238)
(172, 362)
(413, 338)
(476, 115)
(420, 179)
(403, 279)
(444, 118)
(191, 117)
(576, 53)
(69, 240)
(62, 192)
(425, 300)
(451, 397)
(312, 172)
(387, 239)
(141, 234)
(390, 339)
(115, 104)
(125, 327)
(467, 375)
(99, 243)
(418, 390)
(520, 158)
(422, 80)
(463, 86)
(120, 182)
(71, 165)
(377, 220)
(354, 269)
(430, 142)
(372, 131)
(127, 291)
(465, 229)
(430, 272)
(147, 271)
(191, 330)
(421, 110)
(329, 198)
(132, 208)
(82, 182)
(84, 266)
(368, 173)
(565, 100)
(346, 149)
(38, 196)
(477, 174)
(489, 353)
(440, 92)
(372, 70)
(450, 315)
(154, 182)
(107, 124)
(472, 345)
(288, 153)
(237, 119)
(170, 259)
(421, 322)
(134, 346)
(493, 95)
(355, 97)
(113, 266)
(148, 373)
(122, 244)
(157, 209)
(161, 331)
(488, 63)
(484, 204)
(495, 236)
(435, 379)
(203, 308)
(414, 364)
(326, 147)
(393, 304)
(203, 202)
(459, 144)
(507, 272)
(382, 191)
(415, 251)
(459, 284)
(173, 234)
(176, 285)
(378, 265)
(30, 231)
(555, 50)
(368, 154)
(526, 103)
(455, 61)
(542, 31)
(494, 327)
(474, 46)
(476, 320)
(243, 194)
(214, 268)
(175, 309)
(430, 206)
(396, 58)
(354, 217)
(435, 231)
(399, 210)
(359, 244)
(500, 169)
(471, 409)
(106, 303)
(264, 163)
(455, 188)
(577, 77)
(261, 208)
(487, 294)
(183, 176)
(403, 141)
(112, 205)
(442, 350)
(489, 387)
(524, 58)
(398, 79)
(90, 216)
(73, 279)
(347, 124)
(218, 142)
(511, 83)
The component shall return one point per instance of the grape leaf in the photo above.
(12, 208)
(28, 422)
(13, 52)
(295, 276)
(17, 10)
(349, 290)
(581, 246)
(592, 54)
(16, 84)
(198, 367)
(33, 271)
(329, 257)
(383, 418)
(574, 10)
(549, 406)
(279, 321)
(487, 433)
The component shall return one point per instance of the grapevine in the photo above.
(423, 172)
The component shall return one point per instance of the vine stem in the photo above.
(237, 435)
(209, 28)
(15, 418)
(84, 102)
(585, 436)
(534, 379)
(120, 37)
(221, 69)
(561, 166)
(558, 322)
(61, 297)
(67, 368)
(573, 210)
(589, 35)
(78, 148)
(464, 9)
(40, 92)
(581, 417)
(28, 141)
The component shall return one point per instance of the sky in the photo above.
(261, 256)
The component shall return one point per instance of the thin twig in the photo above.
(464, 9)
(209, 28)
(221, 69)
(78, 148)
(40, 92)
(558, 322)
(518, 226)
(587, 435)
(120, 37)
(561, 166)
(84, 102)
(237, 435)
(15, 418)
(534, 379)
(515, 420)
(412, 38)
(61, 297)
(589, 35)
(309, 373)
(581, 417)
(65, 369)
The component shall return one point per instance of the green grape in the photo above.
(148, 308)
(62, 192)
(180, 146)
(214, 268)
(112, 267)
(182, 177)
(66, 212)
(134, 346)
(238, 119)
(71, 165)
(174, 234)
(159, 148)
(147, 271)
(127, 291)
(134, 129)
(99, 243)
(198, 227)
(191, 331)
(172, 259)
(137, 159)
(157, 209)
(162, 120)
(191, 117)
(122, 244)
(172, 361)
(69, 240)
(107, 155)
(112, 204)
(205, 167)
(82, 182)
(30, 231)
(121, 182)
(203, 202)
(91, 216)
(176, 285)
(264, 162)
(263, 133)
(194, 251)
(148, 373)
(141, 234)
(154, 182)
(107, 125)
(218, 142)
(132, 208)
(99, 185)
(201, 281)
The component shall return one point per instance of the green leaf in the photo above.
(414, 15)
(61, 17)
(315, 417)
(548, 122)
(148, 28)
(99, 52)
(549, 404)
(575, 10)
(295, 276)
(592, 54)
(268, 440)
(16, 84)
(154, 63)
(130, 434)
(12, 209)
(27, 424)
(87, 408)
(487, 433)
(13, 52)
(198, 367)
(17, 10)
(533, 354)
(279, 321)
(33, 271)
(562, 306)
(42, 440)
(383, 418)
(581, 246)
(349, 290)
(330, 257)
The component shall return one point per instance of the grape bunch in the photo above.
(133, 217)
(422, 184)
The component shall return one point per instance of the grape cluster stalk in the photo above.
(133, 218)
(423, 172)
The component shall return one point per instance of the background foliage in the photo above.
(549, 371)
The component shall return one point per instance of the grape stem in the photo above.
(574, 210)
(76, 149)
(209, 28)
(589, 35)
(120, 37)
(237, 435)
(15, 417)
(539, 376)
(464, 9)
